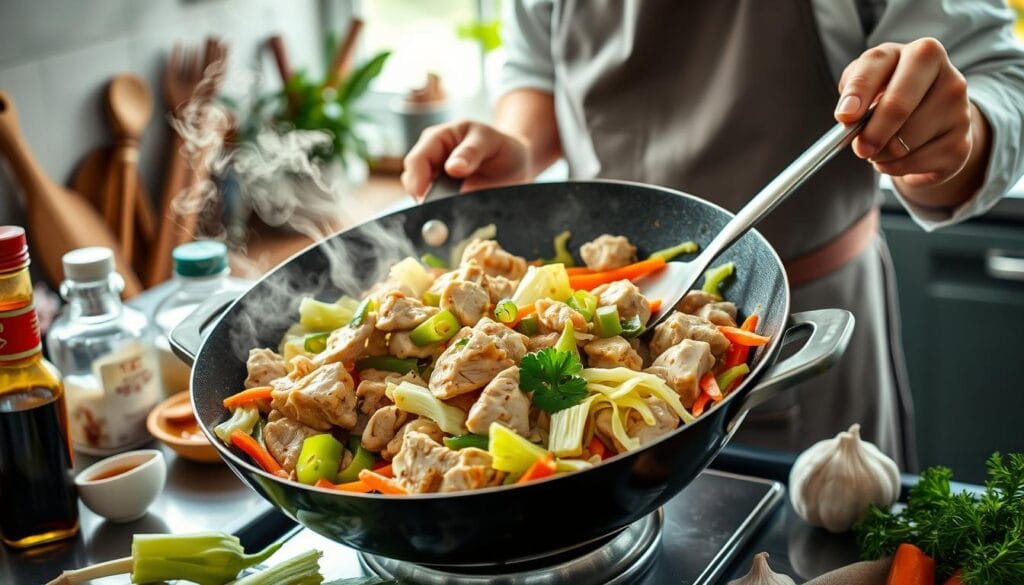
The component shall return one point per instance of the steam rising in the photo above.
(277, 179)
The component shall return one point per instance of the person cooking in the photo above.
(715, 98)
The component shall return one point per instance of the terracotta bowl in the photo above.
(173, 423)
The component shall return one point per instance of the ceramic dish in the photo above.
(174, 424)
(121, 488)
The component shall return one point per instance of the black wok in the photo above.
(520, 522)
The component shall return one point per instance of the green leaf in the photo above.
(552, 377)
(359, 81)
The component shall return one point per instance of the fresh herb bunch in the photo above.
(982, 536)
(553, 378)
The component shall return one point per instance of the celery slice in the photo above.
(565, 438)
(510, 452)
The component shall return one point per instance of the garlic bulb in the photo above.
(833, 482)
(761, 574)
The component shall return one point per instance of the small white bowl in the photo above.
(126, 496)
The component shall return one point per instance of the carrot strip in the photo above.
(541, 468)
(742, 336)
(750, 323)
(655, 306)
(738, 354)
(700, 403)
(954, 579)
(579, 270)
(250, 447)
(522, 313)
(629, 272)
(910, 566)
(710, 387)
(385, 470)
(596, 447)
(380, 483)
(357, 487)
(246, 396)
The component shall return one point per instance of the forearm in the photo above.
(964, 184)
(529, 115)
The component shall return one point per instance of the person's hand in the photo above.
(468, 150)
(921, 132)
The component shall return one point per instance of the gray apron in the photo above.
(715, 98)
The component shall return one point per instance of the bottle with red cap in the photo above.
(38, 501)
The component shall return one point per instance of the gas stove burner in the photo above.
(619, 559)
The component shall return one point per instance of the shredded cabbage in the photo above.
(410, 273)
(567, 426)
(243, 419)
(540, 282)
(487, 232)
(317, 315)
(409, 397)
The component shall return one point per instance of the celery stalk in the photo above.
(303, 569)
(409, 397)
(566, 436)
(206, 558)
(670, 253)
(242, 418)
(320, 316)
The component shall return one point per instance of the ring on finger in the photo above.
(903, 144)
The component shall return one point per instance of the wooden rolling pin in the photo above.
(58, 220)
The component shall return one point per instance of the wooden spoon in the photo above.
(58, 220)
(130, 106)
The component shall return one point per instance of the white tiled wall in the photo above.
(56, 57)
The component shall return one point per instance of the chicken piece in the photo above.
(419, 425)
(283, 437)
(544, 340)
(388, 285)
(612, 352)
(377, 344)
(263, 366)
(723, 313)
(603, 429)
(501, 401)
(679, 326)
(499, 288)
(300, 366)
(682, 366)
(494, 260)
(552, 316)
(400, 345)
(470, 366)
(398, 312)
(510, 340)
(626, 298)
(695, 299)
(320, 399)
(347, 343)
(382, 427)
(607, 252)
(468, 301)
(422, 466)
(374, 383)
(665, 421)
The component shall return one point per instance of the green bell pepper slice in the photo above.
(361, 459)
(388, 363)
(463, 441)
(319, 459)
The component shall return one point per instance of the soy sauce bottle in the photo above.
(38, 501)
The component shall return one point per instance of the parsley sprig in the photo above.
(983, 536)
(553, 378)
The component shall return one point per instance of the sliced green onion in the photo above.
(670, 253)
(632, 327)
(441, 327)
(361, 459)
(319, 459)
(388, 363)
(365, 308)
(529, 326)
(567, 340)
(562, 254)
(715, 276)
(462, 441)
(433, 262)
(431, 299)
(584, 303)
(506, 311)
(726, 378)
(606, 321)
(315, 343)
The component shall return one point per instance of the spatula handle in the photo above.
(775, 192)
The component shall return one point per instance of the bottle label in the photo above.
(110, 412)
(19, 333)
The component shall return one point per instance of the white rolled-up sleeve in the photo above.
(526, 36)
(979, 38)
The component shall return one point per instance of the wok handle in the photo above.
(444, 186)
(827, 333)
(187, 337)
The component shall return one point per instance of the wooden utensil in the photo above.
(58, 220)
(284, 70)
(130, 106)
(90, 181)
(343, 56)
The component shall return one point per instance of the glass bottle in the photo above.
(105, 350)
(38, 500)
(200, 271)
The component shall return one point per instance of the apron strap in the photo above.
(835, 253)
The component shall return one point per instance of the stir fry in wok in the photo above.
(494, 372)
